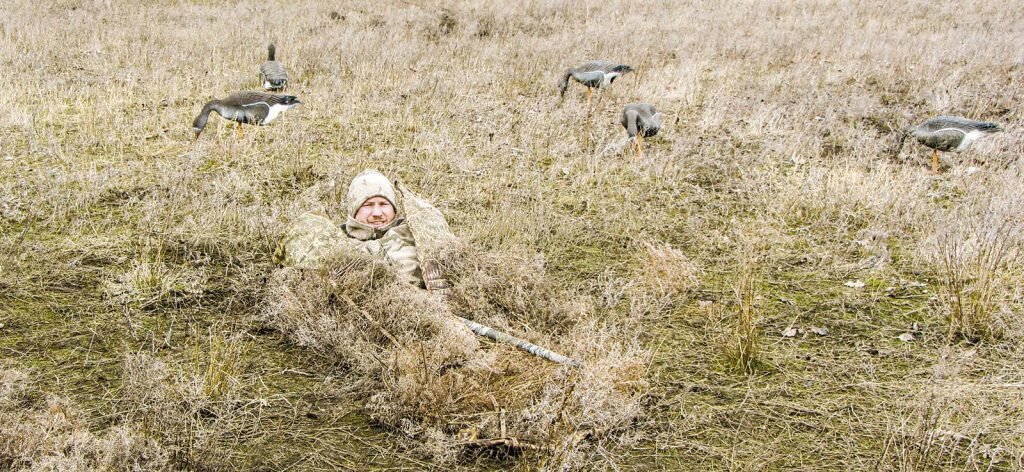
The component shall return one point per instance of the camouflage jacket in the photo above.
(406, 243)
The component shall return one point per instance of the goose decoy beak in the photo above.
(197, 133)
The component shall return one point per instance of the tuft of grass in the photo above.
(152, 282)
(198, 414)
(743, 350)
(977, 252)
(668, 270)
(221, 364)
(969, 286)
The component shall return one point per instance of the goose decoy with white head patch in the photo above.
(254, 108)
(949, 133)
(641, 120)
(272, 73)
(594, 74)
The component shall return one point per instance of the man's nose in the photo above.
(377, 210)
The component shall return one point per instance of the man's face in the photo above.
(376, 212)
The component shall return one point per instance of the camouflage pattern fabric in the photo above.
(310, 239)
(407, 244)
(428, 225)
(368, 184)
(394, 243)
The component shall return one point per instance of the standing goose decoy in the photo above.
(949, 133)
(254, 108)
(272, 73)
(594, 74)
(641, 120)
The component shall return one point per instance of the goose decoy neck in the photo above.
(631, 122)
(199, 124)
(270, 52)
(563, 83)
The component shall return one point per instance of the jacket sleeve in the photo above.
(309, 240)
(429, 228)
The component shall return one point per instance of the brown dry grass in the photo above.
(419, 371)
(119, 237)
(40, 431)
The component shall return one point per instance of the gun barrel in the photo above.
(527, 346)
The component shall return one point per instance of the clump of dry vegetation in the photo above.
(977, 252)
(420, 371)
(668, 271)
(197, 413)
(41, 431)
(137, 289)
(953, 422)
(744, 346)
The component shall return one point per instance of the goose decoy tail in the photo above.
(990, 127)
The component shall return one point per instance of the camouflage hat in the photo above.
(368, 184)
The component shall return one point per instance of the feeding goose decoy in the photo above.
(949, 133)
(594, 74)
(254, 108)
(272, 73)
(641, 120)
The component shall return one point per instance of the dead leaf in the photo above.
(789, 332)
(854, 284)
(819, 331)
(906, 337)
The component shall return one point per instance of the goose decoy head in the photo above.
(910, 118)
(199, 124)
(622, 68)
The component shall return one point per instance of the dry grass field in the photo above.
(773, 285)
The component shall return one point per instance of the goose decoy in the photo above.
(949, 133)
(641, 120)
(254, 108)
(594, 74)
(272, 73)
